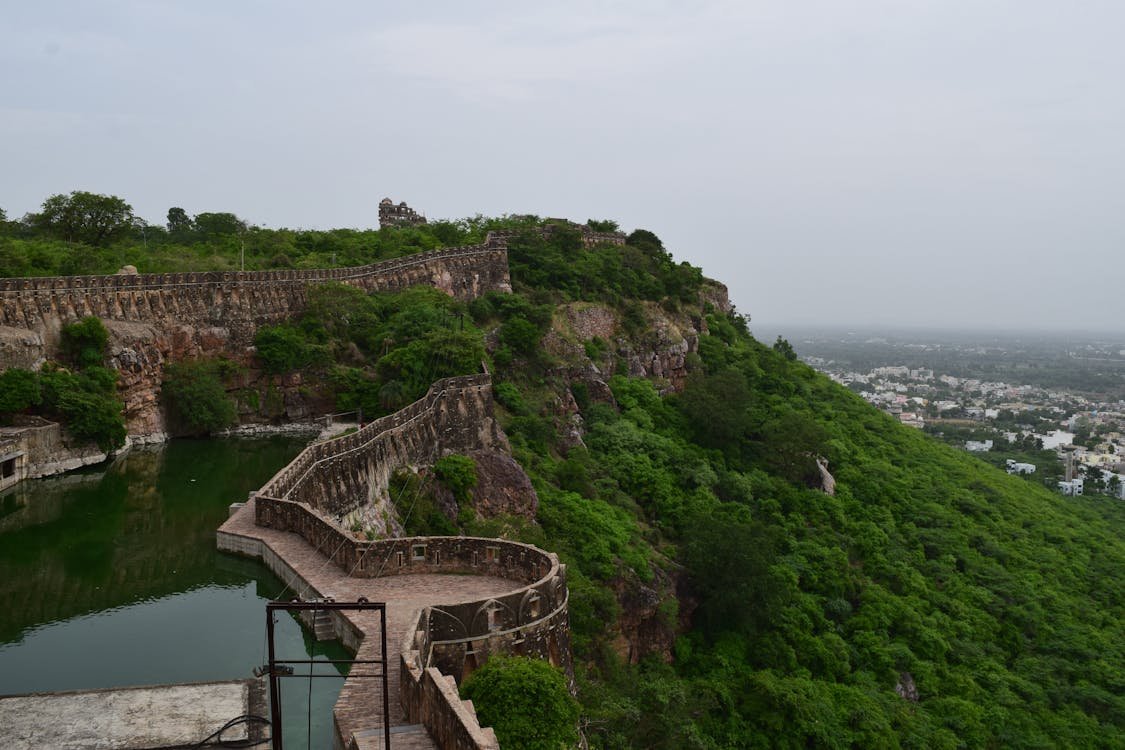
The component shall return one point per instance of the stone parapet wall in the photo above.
(450, 641)
(337, 476)
(239, 301)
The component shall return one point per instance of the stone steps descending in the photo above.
(323, 626)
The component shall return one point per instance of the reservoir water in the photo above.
(109, 577)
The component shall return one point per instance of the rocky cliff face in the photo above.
(140, 352)
(586, 334)
(592, 344)
(502, 488)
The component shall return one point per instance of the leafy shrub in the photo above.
(526, 701)
(94, 417)
(595, 347)
(521, 335)
(509, 396)
(282, 348)
(458, 473)
(19, 390)
(87, 403)
(196, 399)
(417, 510)
(84, 343)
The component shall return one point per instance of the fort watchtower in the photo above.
(392, 215)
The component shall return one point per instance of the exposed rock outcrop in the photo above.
(502, 488)
(652, 615)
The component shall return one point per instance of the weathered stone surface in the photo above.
(589, 320)
(503, 596)
(155, 319)
(139, 718)
(649, 622)
(39, 448)
(502, 486)
(352, 473)
(20, 347)
(906, 689)
(569, 425)
(715, 293)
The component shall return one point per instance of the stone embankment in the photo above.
(34, 447)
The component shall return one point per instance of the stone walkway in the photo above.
(359, 707)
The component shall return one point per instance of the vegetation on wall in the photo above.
(89, 233)
(84, 398)
(932, 602)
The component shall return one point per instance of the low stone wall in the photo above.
(448, 641)
(450, 721)
(36, 447)
(338, 476)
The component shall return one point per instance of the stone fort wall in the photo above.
(339, 477)
(448, 642)
(239, 301)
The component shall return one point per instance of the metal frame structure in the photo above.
(278, 668)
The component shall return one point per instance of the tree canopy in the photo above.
(90, 218)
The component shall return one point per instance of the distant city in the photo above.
(1049, 407)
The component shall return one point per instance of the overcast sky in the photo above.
(915, 162)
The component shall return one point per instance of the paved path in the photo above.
(359, 707)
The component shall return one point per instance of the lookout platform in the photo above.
(310, 574)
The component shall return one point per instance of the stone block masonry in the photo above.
(451, 601)
(236, 301)
(339, 476)
(154, 319)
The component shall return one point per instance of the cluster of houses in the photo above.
(913, 395)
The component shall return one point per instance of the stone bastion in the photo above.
(451, 601)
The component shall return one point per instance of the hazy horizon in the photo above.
(933, 163)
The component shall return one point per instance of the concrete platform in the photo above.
(158, 717)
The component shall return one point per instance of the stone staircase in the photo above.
(323, 626)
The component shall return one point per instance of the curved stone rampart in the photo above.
(338, 476)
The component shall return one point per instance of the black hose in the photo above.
(217, 735)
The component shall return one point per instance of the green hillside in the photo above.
(719, 598)
(999, 603)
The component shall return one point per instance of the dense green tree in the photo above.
(84, 342)
(526, 701)
(602, 225)
(178, 221)
(195, 396)
(217, 224)
(458, 473)
(86, 402)
(784, 348)
(283, 348)
(90, 218)
(19, 390)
